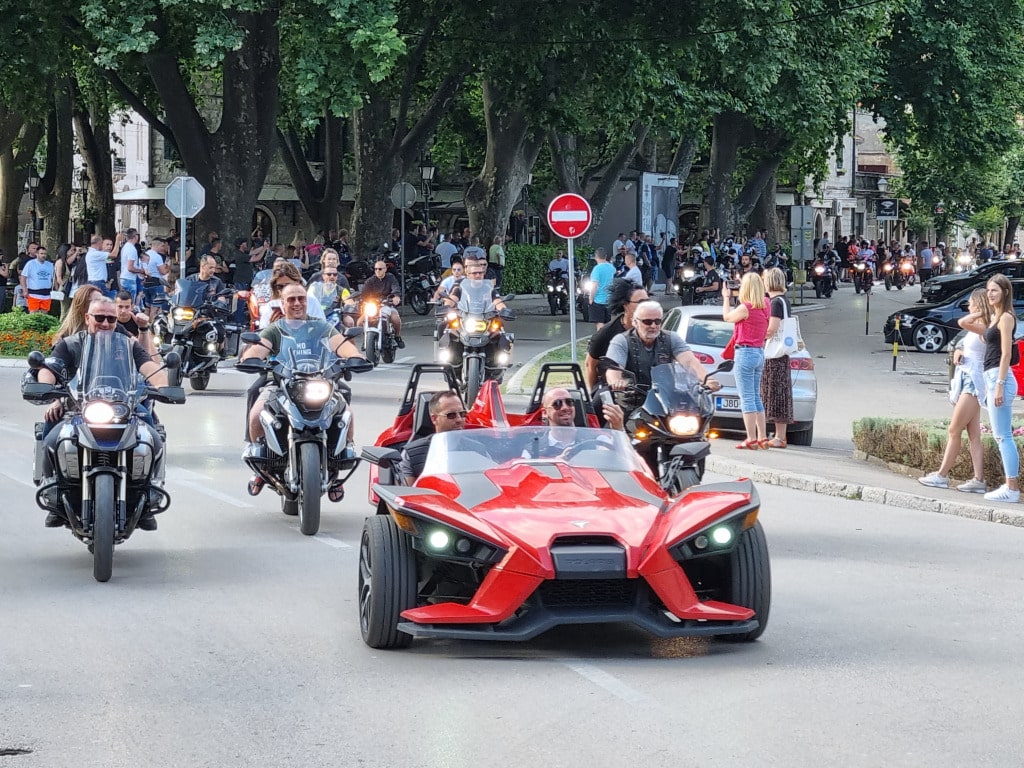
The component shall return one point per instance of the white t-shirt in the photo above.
(129, 255)
(152, 267)
(96, 265)
(446, 250)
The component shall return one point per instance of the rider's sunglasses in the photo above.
(330, 274)
(108, 319)
(453, 415)
(561, 403)
(296, 299)
(650, 320)
(380, 269)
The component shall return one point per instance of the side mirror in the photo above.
(508, 297)
(172, 361)
(172, 395)
(724, 367)
(507, 314)
(35, 360)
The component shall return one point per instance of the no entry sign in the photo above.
(569, 215)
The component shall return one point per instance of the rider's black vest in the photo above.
(636, 360)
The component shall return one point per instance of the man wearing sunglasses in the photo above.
(447, 414)
(102, 316)
(384, 289)
(559, 413)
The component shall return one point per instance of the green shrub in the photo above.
(920, 443)
(526, 266)
(20, 333)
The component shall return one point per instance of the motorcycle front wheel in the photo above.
(104, 507)
(200, 381)
(309, 489)
(474, 379)
(418, 302)
(371, 349)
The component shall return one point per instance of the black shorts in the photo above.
(599, 313)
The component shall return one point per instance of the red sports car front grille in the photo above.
(588, 592)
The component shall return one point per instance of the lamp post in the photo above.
(33, 185)
(526, 205)
(83, 180)
(426, 180)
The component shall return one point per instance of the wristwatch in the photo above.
(1000, 381)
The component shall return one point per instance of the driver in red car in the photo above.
(447, 413)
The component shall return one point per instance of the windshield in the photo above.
(475, 299)
(108, 368)
(470, 451)
(304, 349)
(188, 293)
(674, 387)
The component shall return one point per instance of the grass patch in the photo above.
(562, 354)
(920, 443)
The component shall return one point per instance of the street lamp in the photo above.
(426, 179)
(883, 184)
(33, 185)
(526, 205)
(83, 180)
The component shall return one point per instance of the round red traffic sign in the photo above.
(569, 215)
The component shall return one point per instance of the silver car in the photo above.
(707, 335)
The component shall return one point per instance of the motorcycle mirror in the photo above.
(172, 361)
(508, 297)
(251, 338)
(172, 395)
(358, 365)
(724, 367)
(35, 360)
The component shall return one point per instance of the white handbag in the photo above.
(787, 340)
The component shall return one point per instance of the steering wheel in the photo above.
(592, 443)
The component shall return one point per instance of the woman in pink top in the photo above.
(751, 317)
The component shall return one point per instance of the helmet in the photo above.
(942, 245)
(697, 250)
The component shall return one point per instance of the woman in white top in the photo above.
(967, 411)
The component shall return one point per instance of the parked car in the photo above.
(1018, 369)
(929, 327)
(707, 335)
(937, 290)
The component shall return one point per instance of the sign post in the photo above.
(403, 195)
(184, 198)
(569, 216)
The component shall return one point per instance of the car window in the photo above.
(707, 332)
(1018, 292)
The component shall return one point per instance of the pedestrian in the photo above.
(668, 265)
(5, 272)
(601, 276)
(1000, 385)
(751, 319)
(497, 260)
(777, 380)
(970, 383)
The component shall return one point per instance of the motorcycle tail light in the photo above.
(801, 364)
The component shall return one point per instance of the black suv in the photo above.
(939, 289)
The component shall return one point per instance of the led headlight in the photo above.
(684, 424)
(907, 319)
(716, 539)
(819, 270)
(315, 392)
(183, 314)
(444, 355)
(688, 274)
(502, 358)
(551, 289)
(442, 541)
(478, 325)
(211, 347)
(98, 413)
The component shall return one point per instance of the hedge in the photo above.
(526, 266)
(20, 333)
(920, 443)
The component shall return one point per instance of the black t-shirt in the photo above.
(130, 327)
(779, 306)
(64, 353)
(375, 287)
(599, 341)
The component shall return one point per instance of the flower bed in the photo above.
(20, 333)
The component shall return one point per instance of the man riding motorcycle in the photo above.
(383, 288)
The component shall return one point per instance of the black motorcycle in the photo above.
(669, 422)
(421, 280)
(863, 276)
(196, 327)
(306, 424)
(109, 462)
(473, 338)
(892, 275)
(556, 283)
(823, 277)
(689, 276)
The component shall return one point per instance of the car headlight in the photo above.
(446, 542)
(684, 424)
(907, 319)
(99, 413)
(183, 314)
(717, 538)
(315, 392)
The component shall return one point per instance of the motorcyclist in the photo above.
(101, 317)
(384, 289)
(330, 294)
(560, 263)
(712, 287)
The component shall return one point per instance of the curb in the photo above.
(13, 362)
(858, 492)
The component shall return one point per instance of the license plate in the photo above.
(727, 403)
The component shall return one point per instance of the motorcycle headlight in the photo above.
(963, 258)
(588, 286)
(551, 289)
(99, 413)
(887, 268)
(211, 346)
(860, 266)
(684, 424)
(688, 274)
(371, 309)
(183, 314)
(819, 270)
(502, 358)
(315, 392)
(478, 325)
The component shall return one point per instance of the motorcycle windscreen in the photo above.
(674, 387)
(475, 298)
(108, 369)
(304, 346)
(188, 293)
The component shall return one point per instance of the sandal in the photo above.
(778, 443)
(764, 445)
(749, 445)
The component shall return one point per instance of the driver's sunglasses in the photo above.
(561, 403)
(107, 319)
(650, 320)
(453, 415)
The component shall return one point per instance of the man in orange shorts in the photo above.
(37, 282)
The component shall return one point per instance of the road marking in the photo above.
(332, 542)
(602, 679)
(18, 479)
(200, 483)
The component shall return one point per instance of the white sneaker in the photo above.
(1003, 493)
(972, 486)
(934, 480)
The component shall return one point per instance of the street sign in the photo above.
(569, 216)
(403, 195)
(887, 209)
(184, 198)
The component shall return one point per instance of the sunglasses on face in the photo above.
(380, 269)
(453, 415)
(561, 403)
(650, 320)
(107, 319)
(296, 299)
(330, 274)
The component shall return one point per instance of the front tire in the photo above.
(174, 377)
(104, 508)
(929, 337)
(309, 489)
(751, 580)
(474, 379)
(387, 582)
(387, 355)
(681, 480)
(200, 381)
(418, 301)
(371, 349)
(553, 303)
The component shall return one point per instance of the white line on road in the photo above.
(18, 479)
(602, 679)
(332, 542)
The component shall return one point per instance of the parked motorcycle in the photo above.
(473, 338)
(421, 284)
(557, 286)
(307, 425)
(196, 328)
(669, 422)
(108, 463)
(863, 276)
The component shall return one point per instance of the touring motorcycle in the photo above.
(196, 327)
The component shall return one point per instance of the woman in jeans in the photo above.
(1000, 385)
(751, 319)
(969, 363)
(777, 380)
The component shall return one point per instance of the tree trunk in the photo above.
(1011, 230)
(378, 169)
(54, 194)
(772, 152)
(682, 160)
(725, 143)
(321, 196)
(92, 125)
(512, 148)
(766, 214)
(16, 152)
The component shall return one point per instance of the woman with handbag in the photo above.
(777, 381)
(751, 319)
(967, 393)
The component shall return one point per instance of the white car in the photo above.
(707, 335)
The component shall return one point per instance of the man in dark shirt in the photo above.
(207, 276)
(384, 289)
(447, 413)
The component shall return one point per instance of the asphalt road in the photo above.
(226, 638)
